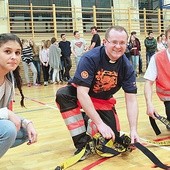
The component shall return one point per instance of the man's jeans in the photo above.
(148, 57)
(9, 137)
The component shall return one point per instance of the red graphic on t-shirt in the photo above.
(105, 80)
(79, 44)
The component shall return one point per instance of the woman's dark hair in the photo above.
(9, 37)
(18, 81)
(4, 38)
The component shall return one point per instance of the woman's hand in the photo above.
(32, 134)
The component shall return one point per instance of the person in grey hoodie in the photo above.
(54, 60)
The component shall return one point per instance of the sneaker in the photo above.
(86, 154)
(29, 85)
(35, 84)
(46, 83)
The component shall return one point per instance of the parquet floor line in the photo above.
(54, 142)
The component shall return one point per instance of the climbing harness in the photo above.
(110, 148)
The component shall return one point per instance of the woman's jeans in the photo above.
(135, 62)
(38, 67)
(9, 137)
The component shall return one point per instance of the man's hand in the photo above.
(106, 131)
(151, 111)
(134, 137)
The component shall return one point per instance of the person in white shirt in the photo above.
(78, 46)
(158, 71)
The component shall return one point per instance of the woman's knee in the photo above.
(8, 131)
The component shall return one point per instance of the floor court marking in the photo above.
(101, 160)
(42, 103)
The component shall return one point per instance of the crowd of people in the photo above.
(53, 57)
(101, 71)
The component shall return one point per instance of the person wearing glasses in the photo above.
(101, 73)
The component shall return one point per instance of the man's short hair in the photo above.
(62, 35)
(94, 27)
(150, 32)
(133, 32)
(75, 32)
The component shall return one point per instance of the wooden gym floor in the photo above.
(54, 142)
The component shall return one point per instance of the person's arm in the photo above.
(148, 97)
(88, 107)
(132, 114)
(7, 114)
(92, 45)
(150, 77)
(73, 52)
(19, 122)
(40, 56)
(72, 49)
(32, 134)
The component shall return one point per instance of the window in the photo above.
(103, 14)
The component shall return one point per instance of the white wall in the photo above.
(3, 16)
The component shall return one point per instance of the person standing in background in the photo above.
(36, 59)
(27, 61)
(65, 57)
(54, 60)
(133, 33)
(95, 41)
(164, 40)
(160, 45)
(134, 52)
(44, 58)
(78, 47)
(151, 47)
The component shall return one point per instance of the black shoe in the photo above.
(65, 79)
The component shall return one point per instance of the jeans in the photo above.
(77, 59)
(45, 70)
(9, 137)
(26, 71)
(135, 62)
(148, 57)
(67, 66)
(38, 67)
